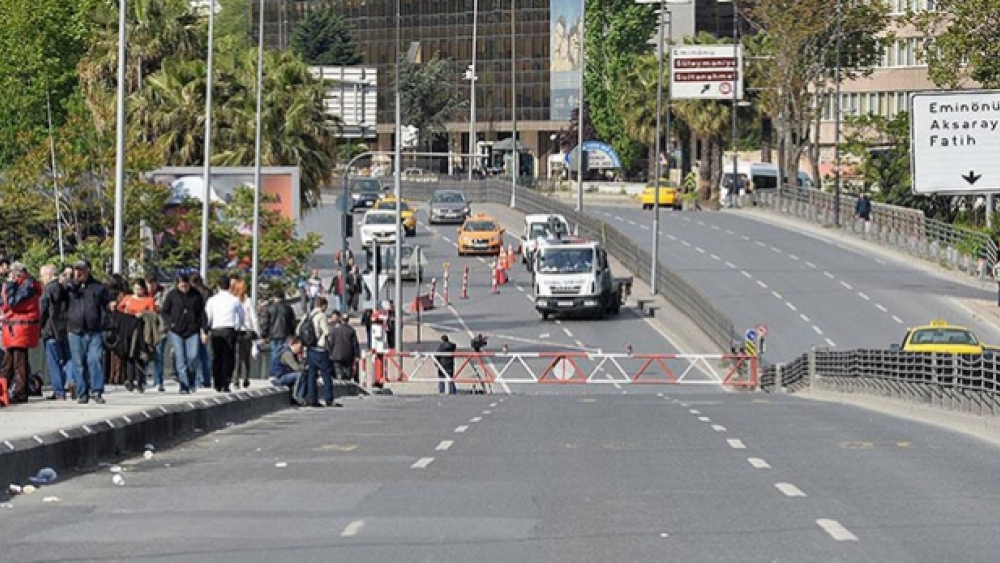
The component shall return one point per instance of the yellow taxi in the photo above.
(408, 213)
(480, 234)
(669, 197)
(942, 337)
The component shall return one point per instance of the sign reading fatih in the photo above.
(954, 142)
(706, 72)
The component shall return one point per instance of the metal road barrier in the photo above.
(634, 256)
(906, 229)
(966, 383)
(568, 368)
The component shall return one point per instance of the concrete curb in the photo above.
(83, 446)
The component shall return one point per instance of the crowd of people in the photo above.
(114, 332)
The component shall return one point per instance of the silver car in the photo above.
(410, 267)
(448, 206)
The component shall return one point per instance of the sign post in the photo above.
(706, 72)
(954, 140)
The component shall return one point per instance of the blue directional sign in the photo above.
(751, 335)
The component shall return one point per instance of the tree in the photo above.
(639, 105)
(801, 38)
(429, 97)
(41, 43)
(617, 32)
(568, 138)
(324, 38)
(962, 42)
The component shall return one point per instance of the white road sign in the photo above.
(954, 142)
(706, 72)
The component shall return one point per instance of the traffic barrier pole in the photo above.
(465, 283)
(445, 294)
(496, 275)
(434, 282)
(502, 258)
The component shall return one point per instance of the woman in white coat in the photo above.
(246, 335)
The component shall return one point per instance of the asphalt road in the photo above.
(806, 290)
(705, 477)
(508, 317)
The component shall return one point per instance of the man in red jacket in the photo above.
(19, 302)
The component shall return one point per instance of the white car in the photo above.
(378, 226)
(540, 226)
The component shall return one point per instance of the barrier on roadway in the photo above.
(907, 229)
(568, 367)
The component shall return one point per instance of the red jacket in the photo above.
(20, 304)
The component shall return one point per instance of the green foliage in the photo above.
(963, 42)
(428, 97)
(324, 38)
(617, 32)
(41, 43)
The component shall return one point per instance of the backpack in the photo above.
(307, 332)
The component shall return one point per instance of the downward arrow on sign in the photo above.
(972, 178)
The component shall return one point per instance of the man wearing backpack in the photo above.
(314, 331)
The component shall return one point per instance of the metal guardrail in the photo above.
(966, 250)
(636, 259)
(965, 383)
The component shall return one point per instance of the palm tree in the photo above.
(708, 121)
(170, 112)
(639, 105)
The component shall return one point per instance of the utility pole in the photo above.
(472, 88)
(836, 128)
(119, 234)
(579, 111)
(513, 102)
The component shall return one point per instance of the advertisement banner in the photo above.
(564, 57)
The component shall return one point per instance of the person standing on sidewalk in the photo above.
(278, 322)
(158, 293)
(204, 366)
(184, 314)
(246, 334)
(345, 349)
(446, 365)
(20, 301)
(317, 358)
(89, 301)
(55, 301)
(223, 315)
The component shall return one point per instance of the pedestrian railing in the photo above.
(908, 230)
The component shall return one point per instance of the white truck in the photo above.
(572, 277)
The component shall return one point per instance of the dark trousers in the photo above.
(14, 368)
(135, 373)
(318, 365)
(223, 342)
(344, 371)
(244, 344)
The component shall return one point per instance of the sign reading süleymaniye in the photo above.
(564, 57)
(955, 140)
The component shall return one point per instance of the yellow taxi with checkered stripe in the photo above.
(942, 337)
(480, 234)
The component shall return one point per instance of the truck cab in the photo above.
(572, 277)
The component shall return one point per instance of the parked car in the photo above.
(448, 206)
(418, 175)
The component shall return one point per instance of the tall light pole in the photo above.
(836, 128)
(55, 182)
(579, 111)
(513, 102)
(397, 180)
(660, 51)
(736, 99)
(206, 202)
(255, 267)
(119, 235)
(472, 88)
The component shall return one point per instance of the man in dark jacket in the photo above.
(55, 302)
(446, 364)
(184, 314)
(344, 348)
(88, 303)
(278, 322)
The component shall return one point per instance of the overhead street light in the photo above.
(255, 267)
(119, 234)
(470, 75)
(206, 202)
(579, 111)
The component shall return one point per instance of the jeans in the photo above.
(287, 380)
(159, 357)
(319, 360)
(441, 384)
(59, 366)
(185, 359)
(87, 350)
(204, 367)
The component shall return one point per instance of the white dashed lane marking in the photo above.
(803, 317)
(758, 463)
(422, 463)
(836, 530)
(728, 232)
(352, 529)
(444, 445)
(475, 419)
(793, 257)
(736, 444)
(863, 296)
(731, 265)
(831, 343)
(846, 285)
(810, 264)
(746, 274)
(715, 257)
(791, 306)
(694, 411)
(686, 243)
(897, 319)
(461, 429)
(789, 490)
(762, 284)
(818, 330)
(718, 428)
(704, 419)
(829, 275)
(881, 307)
(746, 238)
(776, 295)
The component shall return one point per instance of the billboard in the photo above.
(564, 57)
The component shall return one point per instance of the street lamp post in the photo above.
(206, 202)
(736, 78)
(119, 235)
(836, 128)
(513, 102)
(397, 180)
(656, 167)
(579, 111)
(472, 88)
(255, 266)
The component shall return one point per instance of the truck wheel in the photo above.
(545, 315)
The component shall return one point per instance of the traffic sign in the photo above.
(954, 140)
(762, 330)
(706, 72)
(750, 335)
